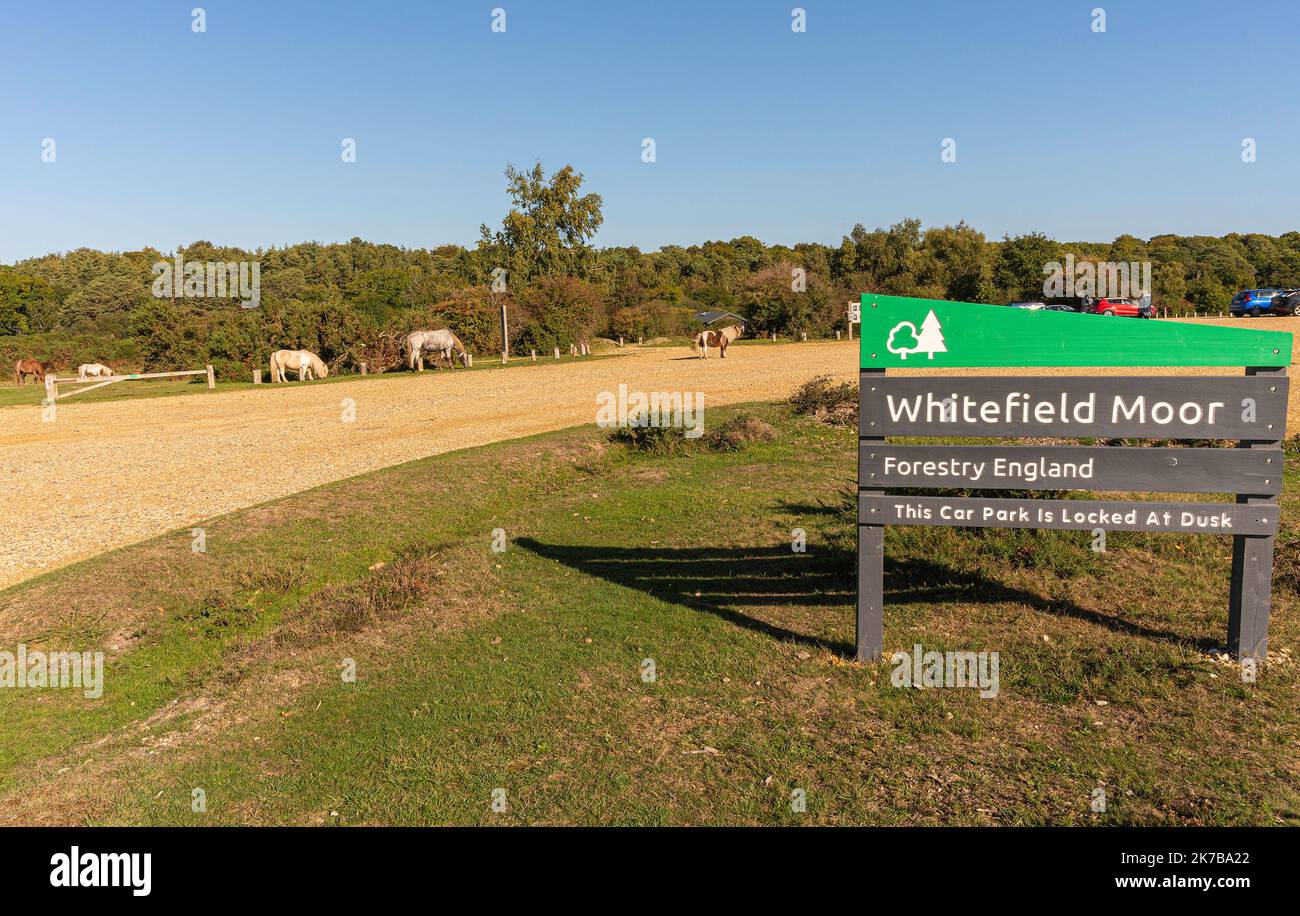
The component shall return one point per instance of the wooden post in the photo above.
(1251, 592)
(640, 341)
(505, 334)
(51, 388)
(870, 639)
(837, 335)
(620, 341)
(363, 368)
(557, 352)
(212, 379)
(257, 376)
(803, 335)
(534, 355)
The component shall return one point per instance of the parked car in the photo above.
(1059, 308)
(1287, 302)
(1120, 306)
(1033, 306)
(1254, 302)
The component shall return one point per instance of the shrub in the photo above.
(738, 432)
(654, 440)
(829, 403)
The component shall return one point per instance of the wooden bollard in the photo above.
(837, 335)
(534, 353)
(363, 368)
(212, 379)
(640, 341)
(257, 376)
(557, 352)
(803, 335)
(620, 341)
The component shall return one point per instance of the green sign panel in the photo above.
(903, 333)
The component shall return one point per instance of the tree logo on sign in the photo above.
(905, 339)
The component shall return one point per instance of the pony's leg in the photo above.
(722, 348)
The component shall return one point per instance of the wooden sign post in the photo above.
(903, 333)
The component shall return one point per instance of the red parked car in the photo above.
(1120, 306)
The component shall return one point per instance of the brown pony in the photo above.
(26, 367)
(719, 339)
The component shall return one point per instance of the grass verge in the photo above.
(648, 649)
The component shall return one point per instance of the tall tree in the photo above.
(546, 232)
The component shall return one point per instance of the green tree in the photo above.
(26, 303)
(558, 311)
(1018, 268)
(547, 230)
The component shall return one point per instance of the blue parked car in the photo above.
(1254, 302)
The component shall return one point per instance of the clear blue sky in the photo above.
(165, 136)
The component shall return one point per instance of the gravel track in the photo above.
(106, 474)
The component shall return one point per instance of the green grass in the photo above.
(522, 671)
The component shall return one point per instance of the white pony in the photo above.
(93, 370)
(442, 342)
(306, 363)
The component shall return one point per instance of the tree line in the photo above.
(351, 302)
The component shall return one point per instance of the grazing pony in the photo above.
(306, 363)
(93, 370)
(26, 367)
(442, 342)
(719, 339)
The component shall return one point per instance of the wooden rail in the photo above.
(52, 383)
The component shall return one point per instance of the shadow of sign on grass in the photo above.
(729, 582)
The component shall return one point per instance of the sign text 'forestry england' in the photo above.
(936, 337)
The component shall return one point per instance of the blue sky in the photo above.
(165, 136)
